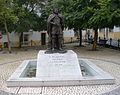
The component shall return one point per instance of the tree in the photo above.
(106, 14)
(7, 16)
(81, 13)
(73, 13)
(114, 8)
(29, 14)
(94, 14)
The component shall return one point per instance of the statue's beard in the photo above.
(56, 13)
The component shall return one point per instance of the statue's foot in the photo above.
(55, 50)
(62, 50)
(49, 51)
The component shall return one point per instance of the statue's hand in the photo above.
(58, 24)
(53, 23)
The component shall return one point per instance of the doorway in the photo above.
(43, 38)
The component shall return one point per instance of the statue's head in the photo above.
(55, 10)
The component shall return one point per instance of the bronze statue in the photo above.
(55, 26)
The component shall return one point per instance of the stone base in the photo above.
(49, 51)
(58, 66)
(59, 70)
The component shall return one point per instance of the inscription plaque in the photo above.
(58, 66)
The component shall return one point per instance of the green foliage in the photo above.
(76, 12)
(115, 12)
(6, 11)
(7, 14)
(28, 12)
(107, 14)
(23, 15)
(89, 13)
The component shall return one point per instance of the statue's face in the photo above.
(56, 11)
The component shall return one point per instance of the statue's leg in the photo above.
(49, 43)
(49, 46)
(60, 39)
(53, 42)
(57, 42)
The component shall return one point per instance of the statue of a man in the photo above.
(55, 26)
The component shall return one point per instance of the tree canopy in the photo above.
(93, 14)
(7, 14)
(32, 14)
(23, 15)
(29, 14)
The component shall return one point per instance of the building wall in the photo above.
(110, 33)
(14, 39)
(35, 38)
(117, 35)
(113, 35)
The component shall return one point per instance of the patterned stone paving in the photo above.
(107, 59)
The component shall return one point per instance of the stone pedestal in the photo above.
(58, 66)
(59, 70)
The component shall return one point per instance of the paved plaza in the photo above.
(107, 59)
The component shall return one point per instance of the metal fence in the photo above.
(111, 43)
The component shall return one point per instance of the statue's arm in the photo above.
(49, 23)
(62, 23)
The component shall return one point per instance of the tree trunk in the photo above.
(6, 29)
(95, 39)
(20, 40)
(80, 34)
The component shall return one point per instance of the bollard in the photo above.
(71, 39)
(104, 37)
(99, 38)
(118, 43)
(31, 42)
(110, 42)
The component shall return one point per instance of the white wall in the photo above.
(14, 37)
(4, 38)
(116, 29)
(68, 33)
(35, 36)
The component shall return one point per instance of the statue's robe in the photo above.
(55, 25)
(50, 26)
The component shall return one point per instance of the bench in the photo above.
(102, 42)
(113, 43)
(90, 40)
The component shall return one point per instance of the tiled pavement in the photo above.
(107, 59)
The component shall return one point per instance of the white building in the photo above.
(33, 38)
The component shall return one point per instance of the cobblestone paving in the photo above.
(107, 59)
(116, 91)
